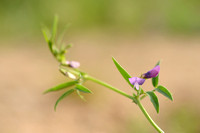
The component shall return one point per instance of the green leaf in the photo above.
(54, 29)
(154, 100)
(60, 38)
(83, 88)
(122, 71)
(62, 97)
(61, 86)
(164, 92)
(155, 80)
(46, 33)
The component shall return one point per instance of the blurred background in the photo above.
(136, 33)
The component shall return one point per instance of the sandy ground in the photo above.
(28, 69)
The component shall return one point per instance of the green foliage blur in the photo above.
(19, 17)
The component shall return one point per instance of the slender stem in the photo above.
(148, 117)
(108, 86)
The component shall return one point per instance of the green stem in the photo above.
(148, 117)
(108, 86)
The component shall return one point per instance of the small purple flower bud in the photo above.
(136, 82)
(73, 64)
(152, 73)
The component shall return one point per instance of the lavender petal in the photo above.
(133, 80)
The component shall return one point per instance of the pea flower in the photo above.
(136, 82)
(152, 73)
(73, 64)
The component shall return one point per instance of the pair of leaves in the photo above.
(79, 88)
(159, 89)
(154, 98)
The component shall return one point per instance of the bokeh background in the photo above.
(136, 33)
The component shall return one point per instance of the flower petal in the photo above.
(140, 81)
(73, 64)
(133, 80)
(137, 87)
(136, 81)
(152, 73)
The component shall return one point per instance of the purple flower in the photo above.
(73, 64)
(136, 82)
(152, 73)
